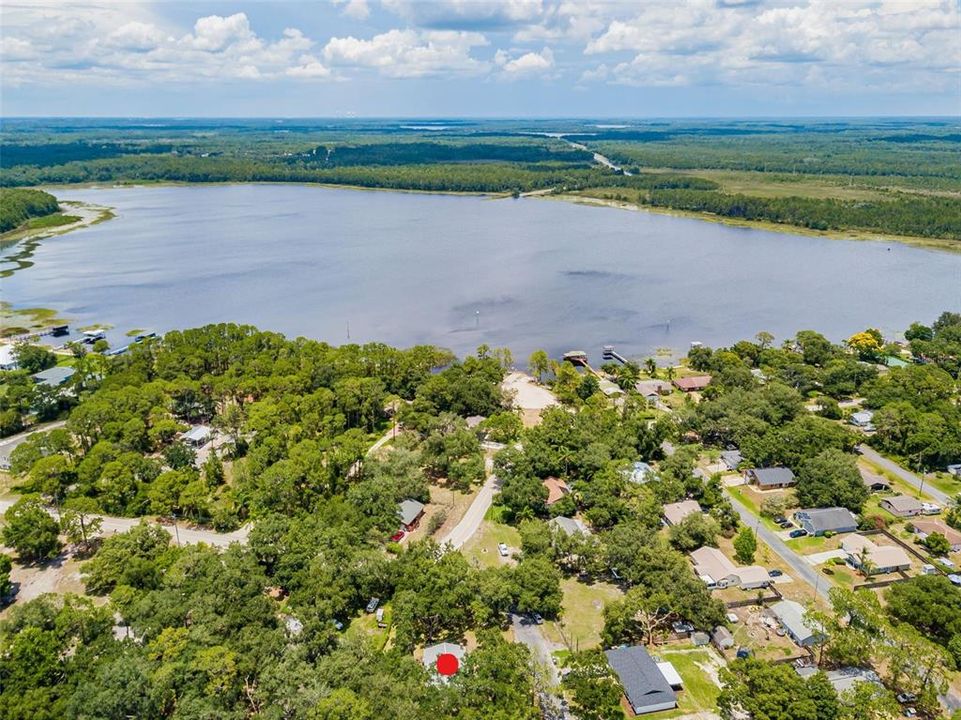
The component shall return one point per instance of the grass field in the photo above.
(49, 221)
(583, 617)
(481, 550)
(698, 669)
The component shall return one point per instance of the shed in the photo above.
(700, 639)
(671, 674)
(818, 521)
(411, 511)
(643, 684)
(722, 638)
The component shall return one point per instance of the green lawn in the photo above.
(700, 691)
(366, 626)
(809, 545)
(481, 549)
(947, 484)
(583, 617)
(49, 221)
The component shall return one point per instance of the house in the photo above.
(731, 459)
(881, 559)
(954, 470)
(569, 526)
(842, 679)
(717, 571)
(473, 421)
(198, 435)
(790, 615)
(645, 688)
(923, 528)
(770, 478)
(649, 388)
(557, 489)
(54, 377)
(873, 481)
(639, 472)
(610, 389)
(722, 638)
(8, 360)
(863, 419)
(693, 383)
(444, 658)
(902, 505)
(818, 521)
(411, 512)
(676, 512)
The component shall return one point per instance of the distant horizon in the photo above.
(487, 118)
(481, 58)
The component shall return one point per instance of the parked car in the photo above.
(955, 579)
(743, 652)
(910, 712)
(904, 698)
(536, 617)
(775, 573)
(380, 617)
(502, 549)
(800, 532)
(780, 520)
(372, 604)
(732, 617)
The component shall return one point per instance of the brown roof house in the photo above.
(925, 527)
(692, 383)
(557, 489)
(676, 512)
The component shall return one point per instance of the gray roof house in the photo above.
(902, 505)
(410, 513)
(766, 478)
(198, 435)
(569, 526)
(731, 459)
(818, 521)
(722, 638)
(791, 616)
(643, 683)
(54, 377)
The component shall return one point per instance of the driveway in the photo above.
(820, 558)
(906, 475)
(183, 535)
(525, 631)
(802, 569)
(468, 525)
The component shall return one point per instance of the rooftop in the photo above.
(198, 433)
(791, 615)
(54, 376)
(825, 519)
(643, 683)
(903, 503)
(569, 526)
(410, 510)
(556, 489)
(772, 476)
(694, 382)
(676, 512)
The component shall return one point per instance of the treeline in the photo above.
(921, 216)
(18, 206)
(435, 152)
(57, 153)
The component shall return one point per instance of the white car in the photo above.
(732, 617)
(502, 549)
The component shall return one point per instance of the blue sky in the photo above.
(670, 58)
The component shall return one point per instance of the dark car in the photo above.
(775, 573)
(906, 698)
(743, 652)
(780, 520)
(800, 532)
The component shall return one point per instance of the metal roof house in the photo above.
(791, 616)
(569, 526)
(862, 419)
(54, 377)
(902, 505)
(643, 683)
(198, 435)
(818, 521)
(411, 512)
(768, 478)
(731, 459)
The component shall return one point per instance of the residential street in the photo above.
(7, 445)
(801, 567)
(906, 475)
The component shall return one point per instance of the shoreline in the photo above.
(29, 239)
(939, 244)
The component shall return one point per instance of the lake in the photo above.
(348, 265)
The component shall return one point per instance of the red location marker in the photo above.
(447, 664)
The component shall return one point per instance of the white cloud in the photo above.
(309, 67)
(356, 9)
(531, 63)
(409, 53)
(467, 14)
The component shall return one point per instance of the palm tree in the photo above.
(651, 366)
(866, 565)
(670, 373)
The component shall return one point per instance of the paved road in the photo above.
(7, 445)
(183, 534)
(468, 525)
(525, 631)
(802, 569)
(906, 475)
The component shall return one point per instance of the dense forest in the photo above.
(19, 205)
(273, 627)
(893, 177)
